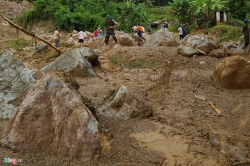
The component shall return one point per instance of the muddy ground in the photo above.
(183, 130)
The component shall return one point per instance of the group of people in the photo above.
(98, 33)
(183, 30)
(111, 24)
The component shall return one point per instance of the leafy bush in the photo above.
(226, 32)
(118, 60)
(141, 63)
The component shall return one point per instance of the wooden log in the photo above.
(197, 49)
(28, 33)
(201, 98)
(215, 109)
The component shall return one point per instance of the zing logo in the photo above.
(14, 160)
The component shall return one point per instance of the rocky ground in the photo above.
(184, 128)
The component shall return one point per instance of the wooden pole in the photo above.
(30, 34)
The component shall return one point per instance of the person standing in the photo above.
(71, 38)
(245, 31)
(187, 29)
(96, 32)
(180, 32)
(140, 30)
(149, 29)
(57, 37)
(81, 36)
(184, 30)
(110, 29)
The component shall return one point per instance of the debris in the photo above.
(163, 161)
(198, 97)
(242, 163)
(215, 109)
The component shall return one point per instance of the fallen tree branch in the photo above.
(133, 147)
(215, 109)
(28, 33)
(242, 163)
(201, 98)
(197, 49)
(163, 161)
(200, 51)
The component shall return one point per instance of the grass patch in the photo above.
(143, 63)
(19, 44)
(118, 60)
(225, 33)
(140, 63)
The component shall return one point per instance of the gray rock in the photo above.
(229, 45)
(53, 118)
(15, 81)
(89, 54)
(203, 43)
(186, 50)
(161, 38)
(72, 62)
(126, 105)
(124, 39)
(41, 47)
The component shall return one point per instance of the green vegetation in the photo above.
(86, 14)
(226, 33)
(118, 60)
(141, 63)
(200, 12)
(19, 44)
(89, 14)
(131, 14)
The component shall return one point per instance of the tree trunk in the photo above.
(30, 34)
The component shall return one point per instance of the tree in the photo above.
(131, 14)
(196, 11)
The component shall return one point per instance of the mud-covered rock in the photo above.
(89, 54)
(161, 38)
(53, 117)
(201, 42)
(15, 81)
(186, 50)
(126, 105)
(124, 39)
(73, 62)
(233, 73)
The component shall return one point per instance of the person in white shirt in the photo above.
(81, 36)
(71, 38)
(180, 32)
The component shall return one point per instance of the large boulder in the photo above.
(15, 81)
(54, 118)
(73, 62)
(201, 42)
(233, 73)
(186, 50)
(89, 54)
(161, 38)
(126, 105)
(124, 39)
(241, 42)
